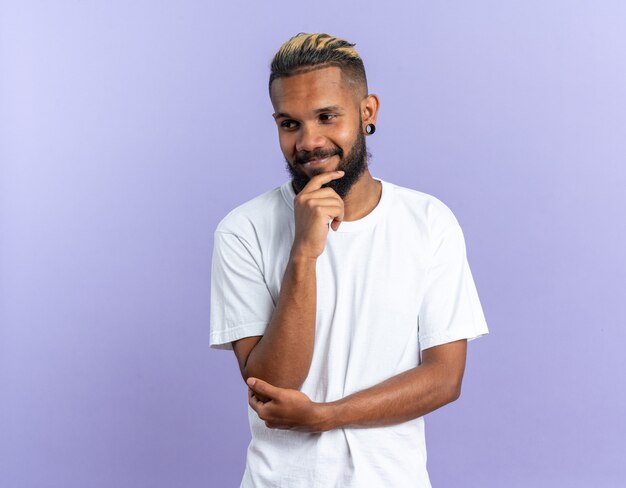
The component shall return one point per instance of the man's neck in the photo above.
(362, 198)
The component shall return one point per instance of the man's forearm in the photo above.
(284, 353)
(402, 397)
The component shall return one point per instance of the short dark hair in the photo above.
(306, 52)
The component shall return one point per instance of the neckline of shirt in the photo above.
(365, 222)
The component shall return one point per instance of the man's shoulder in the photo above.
(254, 213)
(424, 206)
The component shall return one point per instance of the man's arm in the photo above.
(282, 356)
(405, 396)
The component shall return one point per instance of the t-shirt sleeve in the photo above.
(451, 309)
(241, 304)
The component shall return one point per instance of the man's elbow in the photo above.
(255, 365)
(273, 378)
(449, 389)
(454, 391)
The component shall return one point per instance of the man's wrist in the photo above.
(298, 258)
(330, 415)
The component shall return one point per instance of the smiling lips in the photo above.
(314, 163)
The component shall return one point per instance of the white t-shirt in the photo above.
(390, 284)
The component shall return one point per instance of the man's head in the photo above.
(321, 105)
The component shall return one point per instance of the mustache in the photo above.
(303, 157)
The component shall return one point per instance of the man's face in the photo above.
(319, 128)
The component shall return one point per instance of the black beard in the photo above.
(354, 164)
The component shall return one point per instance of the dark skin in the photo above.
(318, 111)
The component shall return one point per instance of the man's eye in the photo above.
(288, 124)
(327, 117)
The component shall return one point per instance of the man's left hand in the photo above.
(284, 408)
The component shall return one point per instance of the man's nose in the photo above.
(309, 139)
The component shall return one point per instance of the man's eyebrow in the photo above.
(330, 108)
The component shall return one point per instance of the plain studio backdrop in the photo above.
(129, 129)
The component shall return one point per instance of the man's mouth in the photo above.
(313, 159)
(316, 162)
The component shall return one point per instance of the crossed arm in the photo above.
(405, 396)
(275, 365)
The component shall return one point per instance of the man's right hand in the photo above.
(314, 208)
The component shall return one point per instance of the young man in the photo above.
(348, 300)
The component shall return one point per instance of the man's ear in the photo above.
(369, 108)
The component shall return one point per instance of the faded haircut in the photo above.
(307, 52)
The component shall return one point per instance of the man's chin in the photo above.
(301, 176)
(321, 171)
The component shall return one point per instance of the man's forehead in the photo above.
(311, 90)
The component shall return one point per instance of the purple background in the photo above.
(129, 129)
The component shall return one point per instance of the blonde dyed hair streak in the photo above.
(306, 52)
